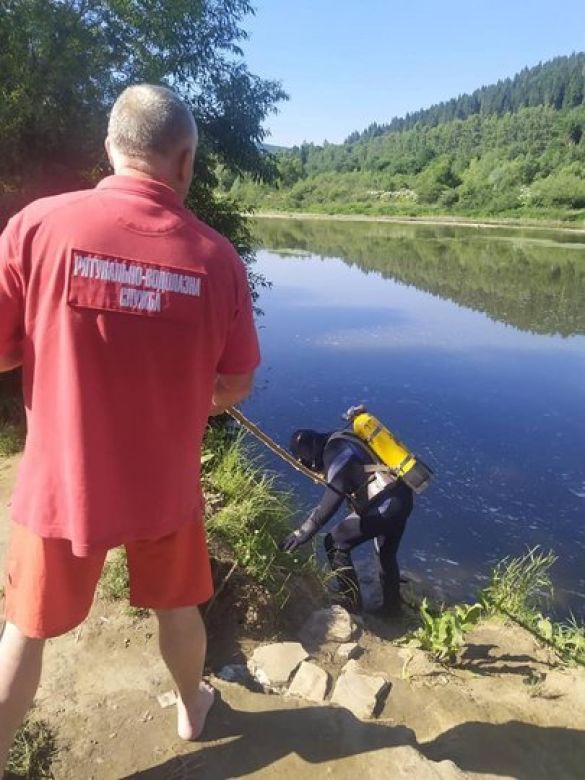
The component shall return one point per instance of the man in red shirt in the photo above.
(133, 322)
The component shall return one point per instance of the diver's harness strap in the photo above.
(371, 471)
(379, 468)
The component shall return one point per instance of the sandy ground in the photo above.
(445, 220)
(507, 710)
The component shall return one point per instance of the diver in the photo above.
(380, 503)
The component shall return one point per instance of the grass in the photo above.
(11, 439)
(115, 583)
(32, 751)
(521, 590)
(246, 510)
(12, 426)
(520, 585)
(249, 511)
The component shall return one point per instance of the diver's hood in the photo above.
(307, 447)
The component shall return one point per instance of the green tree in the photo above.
(290, 169)
(54, 81)
(435, 179)
(62, 63)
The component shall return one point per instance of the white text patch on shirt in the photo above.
(114, 284)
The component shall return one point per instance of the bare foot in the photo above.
(191, 719)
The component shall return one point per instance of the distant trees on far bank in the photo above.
(559, 83)
(516, 146)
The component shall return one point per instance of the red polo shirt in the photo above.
(127, 307)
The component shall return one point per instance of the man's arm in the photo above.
(319, 516)
(230, 389)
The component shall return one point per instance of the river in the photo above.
(469, 344)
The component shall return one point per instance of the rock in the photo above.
(167, 699)
(236, 673)
(272, 665)
(353, 666)
(348, 650)
(310, 682)
(333, 624)
(359, 692)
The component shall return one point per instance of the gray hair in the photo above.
(147, 119)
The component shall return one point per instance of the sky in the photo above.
(346, 64)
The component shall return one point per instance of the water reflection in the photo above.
(495, 410)
(532, 280)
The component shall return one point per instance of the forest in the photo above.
(515, 148)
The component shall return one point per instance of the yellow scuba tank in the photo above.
(392, 452)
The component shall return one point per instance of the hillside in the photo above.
(559, 83)
(514, 148)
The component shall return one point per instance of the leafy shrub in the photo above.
(568, 638)
(443, 634)
(560, 189)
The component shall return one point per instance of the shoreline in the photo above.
(464, 222)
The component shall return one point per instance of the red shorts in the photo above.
(49, 591)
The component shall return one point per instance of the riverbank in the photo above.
(505, 706)
(446, 220)
(507, 709)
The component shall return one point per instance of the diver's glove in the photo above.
(302, 535)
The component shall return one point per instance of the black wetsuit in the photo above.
(384, 518)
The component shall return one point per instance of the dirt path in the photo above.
(506, 711)
(8, 467)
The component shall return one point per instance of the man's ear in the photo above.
(108, 147)
(186, 160)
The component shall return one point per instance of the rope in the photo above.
(274, 447)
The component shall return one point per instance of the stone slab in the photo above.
(348, 650)
(310, 682)
(359, 692)
(272, 665)
(167, 699)
(332, 624)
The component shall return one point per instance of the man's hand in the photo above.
(292, 541)
(230, 389)
(302, 535)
